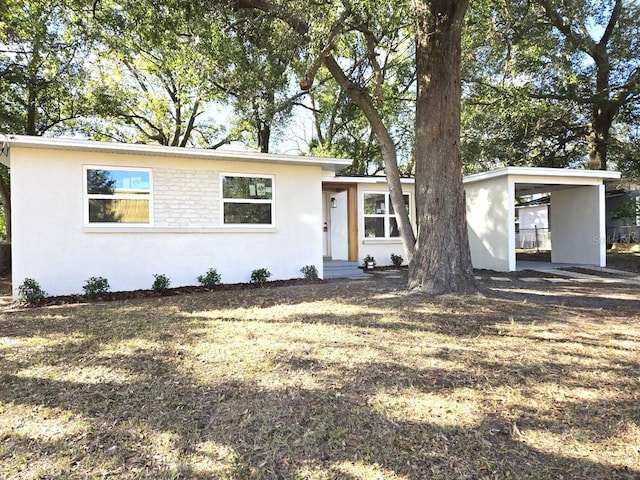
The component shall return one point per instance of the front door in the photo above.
(326, 224)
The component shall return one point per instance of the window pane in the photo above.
(109, 182)
(257, 188)
(118, 211)
(393, 225)
(247, 213)
(373, 227)
(374, 203)
(406, 204)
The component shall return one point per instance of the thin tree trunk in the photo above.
(5, 195)
(442, 259)
(388, 149)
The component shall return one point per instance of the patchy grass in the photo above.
(348, 380)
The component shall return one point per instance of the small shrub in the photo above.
(396, 260)
(369, 259)
(30, 292)
(310, 272)
(260, 276)
(160, 282)
(210, 279)
(96, 286)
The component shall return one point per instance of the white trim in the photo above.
(511, 227)
(120, 225)
(602, 219)
(272, 202)
(386, 216)
(177, 230)
(550, 173)
(61, 143)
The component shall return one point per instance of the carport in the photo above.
(577, 216)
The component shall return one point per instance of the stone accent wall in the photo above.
(186, 198)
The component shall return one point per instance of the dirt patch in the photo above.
(587, 271)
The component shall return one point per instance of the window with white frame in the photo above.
(117, 196)
(379, 216)
(247, 199)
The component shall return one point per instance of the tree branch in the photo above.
(615, 15)
(295, 22)
(581, 43)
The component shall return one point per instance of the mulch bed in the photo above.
(136, 294)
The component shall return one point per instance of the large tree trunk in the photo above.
(442, 259)
(602, 115)
(599, 139)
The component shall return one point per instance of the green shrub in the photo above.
(160, 282)
(260, 276)
(210, 279)
(310, 272)
(369, 259)
(95, 286)
(30, 292)
(396, 260)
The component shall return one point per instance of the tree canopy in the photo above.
(554, 83)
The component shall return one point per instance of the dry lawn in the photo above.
(343, 380)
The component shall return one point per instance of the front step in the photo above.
(342, 269)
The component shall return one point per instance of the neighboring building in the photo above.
(532, 224)
(625, 230)
(126, 212)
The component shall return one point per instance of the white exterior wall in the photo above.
(381, 248)
(52, 245)
(578, 220)
(490, 223)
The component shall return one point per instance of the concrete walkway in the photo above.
(559, 270)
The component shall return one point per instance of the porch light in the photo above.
(334, 202)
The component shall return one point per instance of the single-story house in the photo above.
(84, 209)
(126, 212)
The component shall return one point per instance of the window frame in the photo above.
(387, 215)
(121, 196)
(271, 201)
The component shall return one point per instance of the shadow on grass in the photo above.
(281, 434)
(153, 411)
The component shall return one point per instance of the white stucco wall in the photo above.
(52, 244)
(577, 219)
(490, 223)
(381, 248)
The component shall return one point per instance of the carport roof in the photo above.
(530, 180)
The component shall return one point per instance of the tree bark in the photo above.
(603, 112)
(442, 258)
(388, 149)
(5, 196)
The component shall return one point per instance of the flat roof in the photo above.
(66, 143)
(551, 173)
